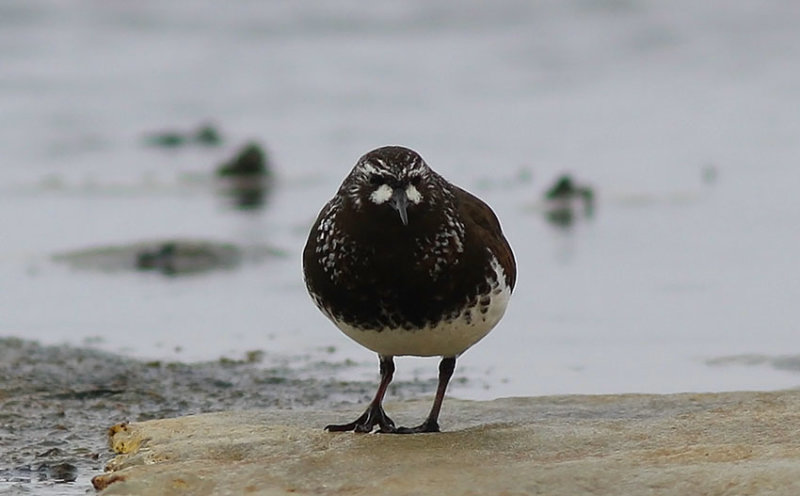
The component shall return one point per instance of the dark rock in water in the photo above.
(565, 198)
(156, 258)
(565, 187)
(169, 257)
(166, 139)
(247, 178)
(250, 160)
(50, 453)
(206, 134)
(58, 472)
(174, 257)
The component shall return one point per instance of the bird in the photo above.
(407, 264)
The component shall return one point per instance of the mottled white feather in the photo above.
(381, 195)
(446, 338)
(413, 194)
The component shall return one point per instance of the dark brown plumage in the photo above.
(405, 263)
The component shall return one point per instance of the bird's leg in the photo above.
(374, 415)
(431, 424)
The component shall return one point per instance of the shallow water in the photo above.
(682, 119)
(682, 116)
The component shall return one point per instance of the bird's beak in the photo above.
(399, 202)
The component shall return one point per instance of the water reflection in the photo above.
(246, 193)
(169, 257)
(172, 257)
(204, 134)
(184, 257)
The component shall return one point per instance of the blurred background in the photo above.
(162, 162)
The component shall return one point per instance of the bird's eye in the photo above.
(376, 179)
(415, 180)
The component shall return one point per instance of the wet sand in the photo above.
(56, 403)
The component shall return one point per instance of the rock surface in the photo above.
(710, 444)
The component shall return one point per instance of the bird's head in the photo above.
(393, 177)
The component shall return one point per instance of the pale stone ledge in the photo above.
(684, 444)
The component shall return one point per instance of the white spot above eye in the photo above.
(413, 194)
(381, 195)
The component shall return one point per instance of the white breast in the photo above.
(446, 338)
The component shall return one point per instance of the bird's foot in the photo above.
(374, 415)
(427, 426)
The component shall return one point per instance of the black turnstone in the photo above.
(405, 263)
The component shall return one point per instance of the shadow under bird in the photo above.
(405, 263)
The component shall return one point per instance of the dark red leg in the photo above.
(374, 415)
(431, 424)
